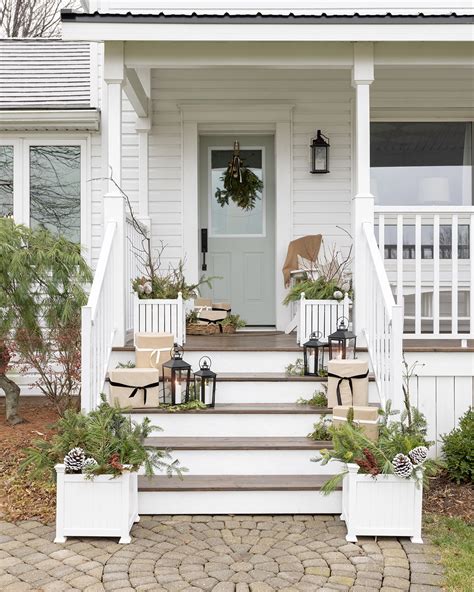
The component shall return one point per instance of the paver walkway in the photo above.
(218, 554)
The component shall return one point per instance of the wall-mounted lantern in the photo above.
(319, 154)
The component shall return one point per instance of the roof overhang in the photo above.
(49, 119)
(196, 27)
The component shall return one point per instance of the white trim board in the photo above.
(50, 119)
(274, 118)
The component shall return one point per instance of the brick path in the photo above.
(218, 554)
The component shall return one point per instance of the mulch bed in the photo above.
(20, 497)
(446, 498)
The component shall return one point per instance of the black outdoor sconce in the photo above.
(319, 154)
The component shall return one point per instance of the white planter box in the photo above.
(386, 505)
(161, 316)
(98, 507)
(320, 316)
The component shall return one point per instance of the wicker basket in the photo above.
(202, 329)
(228, 329)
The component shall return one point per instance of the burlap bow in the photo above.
(341, 380)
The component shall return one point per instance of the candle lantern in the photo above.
(313, 355)
(205, 383)
(342, 343)
(319, 154)
(176, 377)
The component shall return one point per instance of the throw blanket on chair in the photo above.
(306, 247)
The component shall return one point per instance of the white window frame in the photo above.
(21, 178)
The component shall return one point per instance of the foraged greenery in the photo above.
(233, 320)
(106, 435)
(42, 280)
(328, 279)
(455, 540)
(318, 399)
(191, 405)
(241, 184)
(396, 437)
(458, 449)
(321, 430)
(296, 369)
(168, 284)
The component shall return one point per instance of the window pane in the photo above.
(6, 180)
(421, 163)
(230, 220)
(55, 189)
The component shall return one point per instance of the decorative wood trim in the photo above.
(50, 119)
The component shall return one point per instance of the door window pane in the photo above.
(422, 164)
(55, 189)
(230, 220)
(6, 180)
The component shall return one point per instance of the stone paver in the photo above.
(217, 554)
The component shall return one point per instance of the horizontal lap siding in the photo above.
(322, 99)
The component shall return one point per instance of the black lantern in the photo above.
(320, 154)
(205, 383)
(176, 377)
(342, 343)
(313, 354)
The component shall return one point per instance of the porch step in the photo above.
(235, 420)
(247, 455)
(228, 443)
(232, 483)
(237, 494)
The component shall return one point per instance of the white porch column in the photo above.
(363, 200)
(114, 204)
(143, 127)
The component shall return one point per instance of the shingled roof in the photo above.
(44, 73)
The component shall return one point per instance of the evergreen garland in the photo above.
(241, 184)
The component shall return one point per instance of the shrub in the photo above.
(458, 450)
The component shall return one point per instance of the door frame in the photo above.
(212, 118)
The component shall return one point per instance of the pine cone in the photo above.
(418, 455)
(402, 466)
(74, 460)
(89, 464)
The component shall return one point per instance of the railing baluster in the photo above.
(436, 275)
(454, 281)
(418, 275)
(399, 259)
(471, 256)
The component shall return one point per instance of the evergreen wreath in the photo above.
(241, 184)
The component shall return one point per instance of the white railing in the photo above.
(161, 316)
(133, 249)
(383, 329)
(98, 324)
(428, 254)
(320, 316)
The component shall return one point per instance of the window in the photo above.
(6, 180)
(55, 189)
(46, 189)
(425, 164)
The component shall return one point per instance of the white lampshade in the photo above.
(434, 190)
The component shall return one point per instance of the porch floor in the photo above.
(274, 341)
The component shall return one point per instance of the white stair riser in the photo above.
(253, 462)
(231, 424)
(273, 392)
(239, 502)
(231, 361)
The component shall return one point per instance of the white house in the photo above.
(151, 98)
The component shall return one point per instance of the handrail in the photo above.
(101, 268)
(424, 209)
(384, 323)
(98, 324)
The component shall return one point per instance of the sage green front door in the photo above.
(241, 244)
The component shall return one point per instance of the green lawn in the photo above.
(455, 540)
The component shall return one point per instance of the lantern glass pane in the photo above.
(320, 158)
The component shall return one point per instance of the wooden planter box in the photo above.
(161, 316)
(386, 505)
(104, 506)
(320, 316)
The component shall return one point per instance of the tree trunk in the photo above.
(12, 399)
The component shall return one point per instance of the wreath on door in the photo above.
(241, 184)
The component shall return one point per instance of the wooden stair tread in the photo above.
(244, 408)
(195, 483)
(235, 443)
